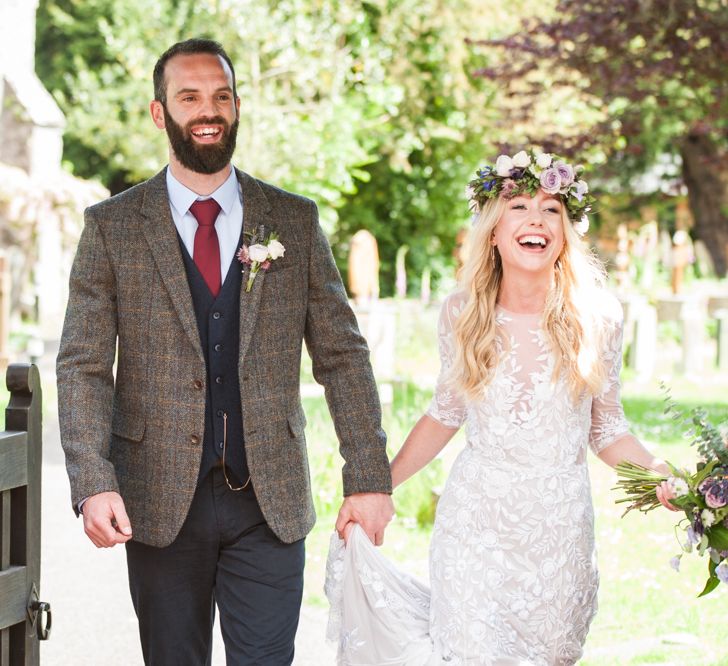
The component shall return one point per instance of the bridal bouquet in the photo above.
(702, 494)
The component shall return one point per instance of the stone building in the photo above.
(41, 205)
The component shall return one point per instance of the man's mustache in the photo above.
(207, 120)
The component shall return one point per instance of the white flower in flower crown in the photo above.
(675, 562)
(543, 161)
(503, 165)
(521, 160)
(275, 249)
(582, 226)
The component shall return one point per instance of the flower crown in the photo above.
(527, 173)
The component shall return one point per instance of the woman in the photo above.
(530, 347)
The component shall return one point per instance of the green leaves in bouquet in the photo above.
(718, 537)
(709, 440)
(713, 580)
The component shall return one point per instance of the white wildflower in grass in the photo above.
(675, 562)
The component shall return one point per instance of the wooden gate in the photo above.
(24, 619)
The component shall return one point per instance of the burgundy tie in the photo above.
(206, 252)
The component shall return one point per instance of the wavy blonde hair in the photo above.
(572, 319)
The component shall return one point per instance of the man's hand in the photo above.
(105, 521)
(371, 510)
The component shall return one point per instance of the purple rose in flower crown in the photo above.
(550, 180)
(566, 173)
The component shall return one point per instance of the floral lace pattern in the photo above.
(512, 563)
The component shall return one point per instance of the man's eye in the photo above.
(188, 98)
(224, 98)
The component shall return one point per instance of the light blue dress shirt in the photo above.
(228, 224)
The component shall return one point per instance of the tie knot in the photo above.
(205, 212)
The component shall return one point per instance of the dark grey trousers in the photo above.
(224, 555)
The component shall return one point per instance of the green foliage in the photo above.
(367, 107)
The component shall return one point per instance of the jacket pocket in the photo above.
(128, 426)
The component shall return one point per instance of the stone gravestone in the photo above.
(364, 268)
(682, 256)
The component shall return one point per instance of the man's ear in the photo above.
(156, 109)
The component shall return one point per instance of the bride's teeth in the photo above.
(533, 239)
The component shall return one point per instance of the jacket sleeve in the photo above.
(341, 364)
(84, 367)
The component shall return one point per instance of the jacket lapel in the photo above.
(161, 236)
(255, 213)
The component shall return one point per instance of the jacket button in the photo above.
(218, 380)
(194, 439)
(220, 413)
(218, 347)
(216, 315)
(197, 383)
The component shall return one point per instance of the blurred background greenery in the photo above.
(381, 111)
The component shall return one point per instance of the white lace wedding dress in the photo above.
(512, 564)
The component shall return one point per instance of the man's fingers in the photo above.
(342, 520)
(105, 520)
(121, 519)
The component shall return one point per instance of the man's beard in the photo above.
(209, 158)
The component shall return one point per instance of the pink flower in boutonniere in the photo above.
(259, 253)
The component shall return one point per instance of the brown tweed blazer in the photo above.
(138, 430)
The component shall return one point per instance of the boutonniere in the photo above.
(259, 252)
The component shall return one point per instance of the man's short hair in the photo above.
(187, 47)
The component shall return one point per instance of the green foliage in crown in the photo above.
(526, 173)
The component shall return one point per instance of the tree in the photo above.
(439, 128)
(303, 97)
(368, 107)
(640, 80)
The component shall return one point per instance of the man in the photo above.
(193, 455)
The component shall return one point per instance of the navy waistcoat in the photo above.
(218, 322)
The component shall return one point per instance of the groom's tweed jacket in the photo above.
(140, 433)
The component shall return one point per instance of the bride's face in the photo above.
(530, 234)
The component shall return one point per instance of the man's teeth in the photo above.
(208, 131)
(532, 240)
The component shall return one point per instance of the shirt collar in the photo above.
(182, 197)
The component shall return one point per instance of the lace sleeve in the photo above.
(608, 420)
(447, 405)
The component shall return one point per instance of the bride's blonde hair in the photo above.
(572, 319)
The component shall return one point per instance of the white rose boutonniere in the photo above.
(259, 253)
